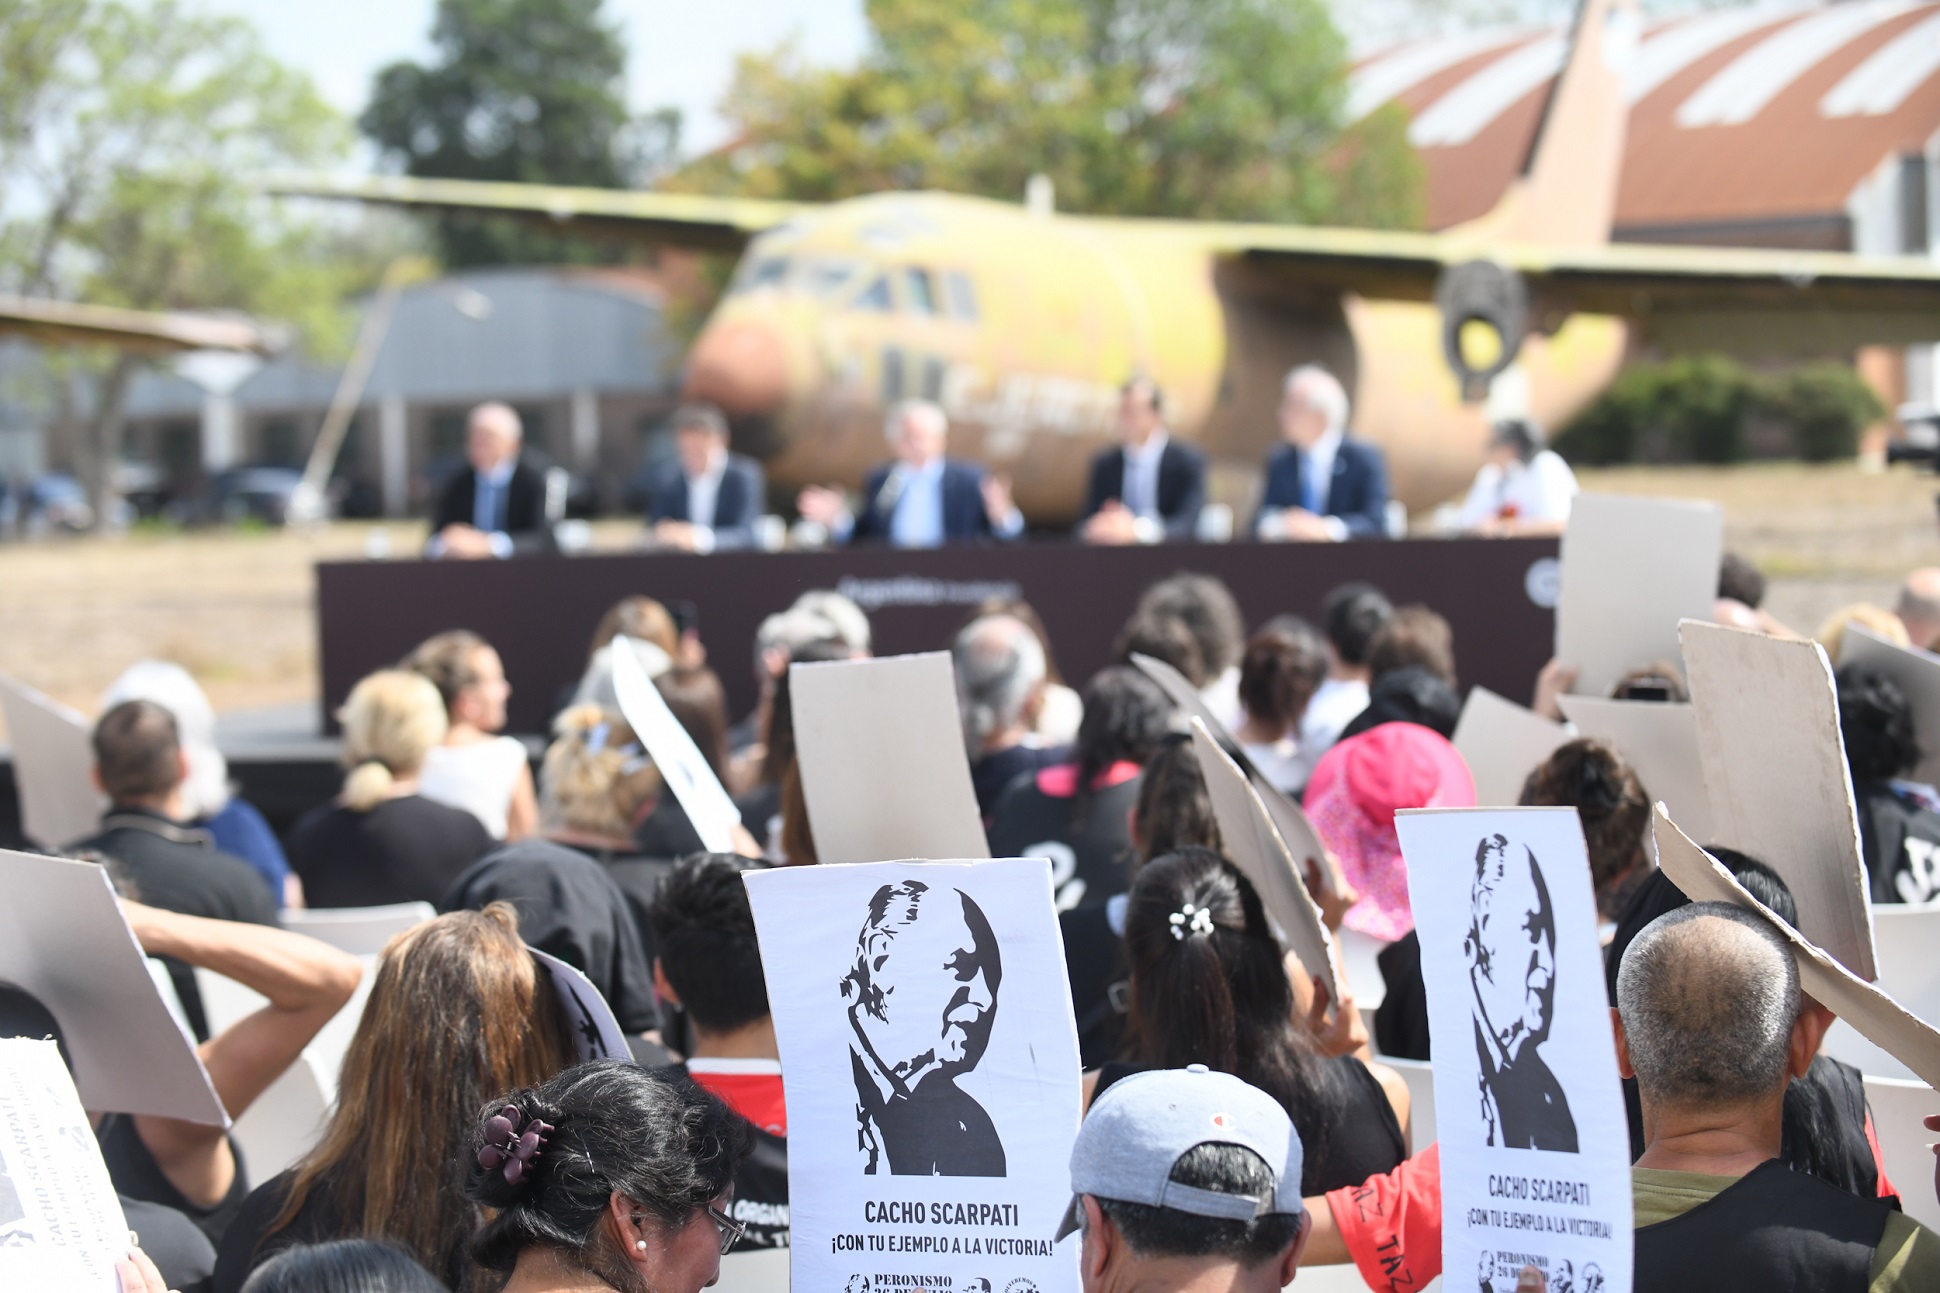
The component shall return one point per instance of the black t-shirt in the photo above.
(180, 1251)
(1091, 853)
(1100, 975)
(1358, 1134)
(760, 1187)
(407, 849)
(1900, 835)
(991, 775)
(249, 1243)
(1401, 1020)
(136, 1174)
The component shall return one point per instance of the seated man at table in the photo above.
(922, 499)
(1321, 486)
(706, 498)
(1152, 487)
(496, 506)
(1711, 1023)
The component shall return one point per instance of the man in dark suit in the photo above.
(1152, 487)
(707, 498)
(497, 506)
(1321, 486)
(923, 499)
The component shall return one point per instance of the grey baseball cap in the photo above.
(1142, 1125)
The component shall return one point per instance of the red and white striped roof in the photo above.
(1766, 115)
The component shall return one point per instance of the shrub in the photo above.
(1825, 405)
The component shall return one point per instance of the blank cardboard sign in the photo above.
(1918, 674)
(883, 765)
(1873, 1014)
(1775, 772)
(1255, 847)
(1659, 742)
(63, 939)
(53, 766)
(682, 765)
(1502, 742)
(1632, 568)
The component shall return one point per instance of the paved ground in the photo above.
(236, 608)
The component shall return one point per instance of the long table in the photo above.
(540, 612)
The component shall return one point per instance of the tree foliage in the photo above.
(1191, 108)
(526, 91)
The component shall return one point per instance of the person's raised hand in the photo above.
(1933, 1124)
(1553, 682)
(820, 504)
(1333, 900)
(997, 502)
(1343, 1032)
(137, 1273)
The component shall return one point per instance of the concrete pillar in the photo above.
(394, 454)
(221, 432)
(585, 423)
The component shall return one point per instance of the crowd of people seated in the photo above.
(652, 1169)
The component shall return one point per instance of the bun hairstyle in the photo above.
(392, 719)
(661, 1141)
(1594, 779)
(596, 774)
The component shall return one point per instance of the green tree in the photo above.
(1191, 108)
(127, 138)
(524, 91)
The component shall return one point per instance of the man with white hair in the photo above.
(496, 506)
(1321, 486)
(922, 499)
(1001, 676)
(1918, 607)
(1710, 1022)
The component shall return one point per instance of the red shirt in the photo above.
(750, 1087)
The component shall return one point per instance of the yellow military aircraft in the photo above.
(69, 323)
(1023, 322)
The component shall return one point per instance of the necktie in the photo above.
(1309, 485)
(486, 505)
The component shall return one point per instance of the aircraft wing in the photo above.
(63, 322)
(678, 219)
(1747, 300)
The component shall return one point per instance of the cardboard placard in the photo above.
(1918, 674)
(1631, 569)
(64, 939)
(1502, 743)
(883, 765)
(61, 1224)
(1536, 1171)
(1296, 831)
(1255, 847)
(1659, 742)
(597, 1034)
(1775, 772)
(1874, 1015)
(53, 766)
(681, 764)
(920, 1038)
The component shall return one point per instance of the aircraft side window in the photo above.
(826, 278)
(962, 294)
(876, 297)
(894, 385)
(919, 290)
(769, 271)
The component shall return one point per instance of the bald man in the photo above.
(496, 507)
(1711, 1023)
(1919, 607)
(1321, 485)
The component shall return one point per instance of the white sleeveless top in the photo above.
(477, 778)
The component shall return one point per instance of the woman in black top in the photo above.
(1209, 986)
(381, 842)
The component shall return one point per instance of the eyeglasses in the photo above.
(731, 1230)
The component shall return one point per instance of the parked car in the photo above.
(55, 500)
(240, 494)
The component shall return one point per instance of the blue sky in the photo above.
(682, 51)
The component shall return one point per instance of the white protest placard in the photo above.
(1535, 1148)
(1289, 819)
(1659, 742)
(682, 765)
(884, 771)
(1775, 773)
(53, 766)
(61, 1225)
(63, 939)
(1874, 1015)
(1502, 743)
(1255, 847)
(597, 1034)
(1918, 674)
(1631, 569)
(924, 1031)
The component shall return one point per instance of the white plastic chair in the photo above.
(1898, 1110)
(1357, 953)
(1909, 972)
(361, 931)
(284, 1122)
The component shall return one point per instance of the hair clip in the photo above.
(1190, 920)
(510, 1148)
(596, 737)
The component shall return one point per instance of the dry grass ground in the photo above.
(236, 608)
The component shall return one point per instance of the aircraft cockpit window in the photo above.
(962, 295)
(823, 279)
(919, 291)
(769, 271)
(876, 297)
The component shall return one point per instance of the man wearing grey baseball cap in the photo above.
(1186, 1179)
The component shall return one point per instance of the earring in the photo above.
(641, 1244)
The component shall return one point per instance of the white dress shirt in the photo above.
(1139, 491)
(1539, 490)
(703, 500)
(916, 518)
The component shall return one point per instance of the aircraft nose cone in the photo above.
(739, 365)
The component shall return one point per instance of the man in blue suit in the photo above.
(922, 499)
(706, 498)
(1321, 486)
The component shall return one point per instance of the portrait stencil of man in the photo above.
(1511, 948)
(922, 998)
